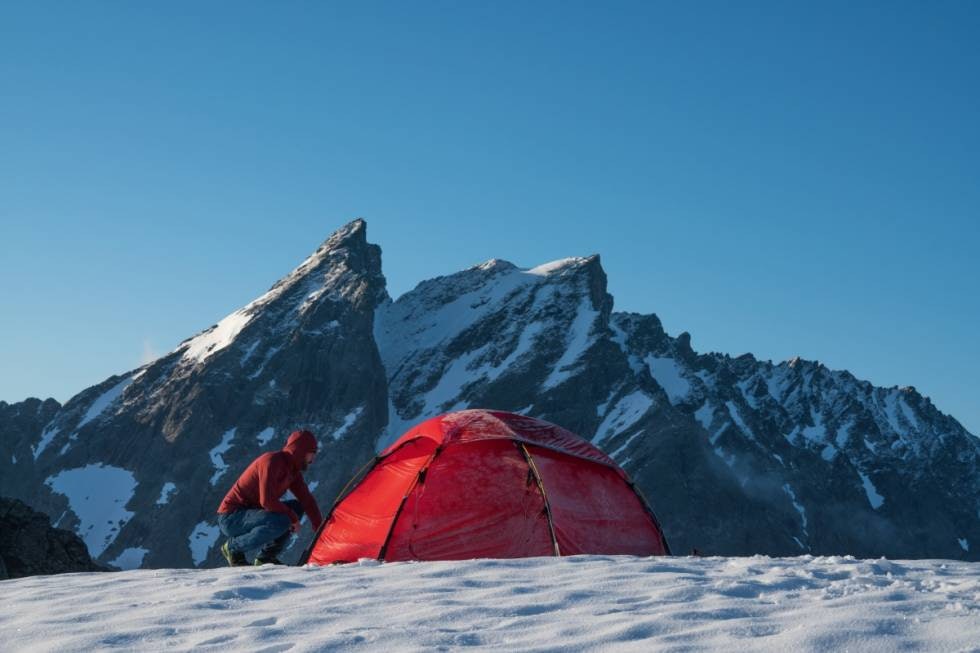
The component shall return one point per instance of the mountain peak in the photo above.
(339, 267)
(352, 237)
(564, 265)
(354, 232)
(495, 264)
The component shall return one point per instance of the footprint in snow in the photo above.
(254, 593)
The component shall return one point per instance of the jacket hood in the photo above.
(299, 444)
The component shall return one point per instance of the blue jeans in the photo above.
(248, 530)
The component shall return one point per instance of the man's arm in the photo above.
(272, 478)
(302, 493)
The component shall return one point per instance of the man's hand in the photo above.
(295, 526)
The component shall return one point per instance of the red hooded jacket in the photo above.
(264, 482)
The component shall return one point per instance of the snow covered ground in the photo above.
(567, 604)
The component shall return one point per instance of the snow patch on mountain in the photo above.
(816, 432)
(796, 504)
(910, 417)
(131, 558)
(218, 337)
(670, 376)
(829, 452)
(202, 538)
(875, 499)
(440, 398)
(166, 493)
(265, 435)
(47, 436)
(98, 495)
(739, 422)
(843, 434)
(529, 335)
(556, 266)
(272, 351)
(217, 453)
(576, 344)
(626, 412)
(619, 337)
(744, 386)
(616, 455)
(705, 415)
(104, 401)
(348, 422)
(778, 382)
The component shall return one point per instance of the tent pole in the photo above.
(544, 495)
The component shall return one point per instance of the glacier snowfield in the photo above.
(581, 603)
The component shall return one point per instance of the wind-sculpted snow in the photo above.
(582, 603)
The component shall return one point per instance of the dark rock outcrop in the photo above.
(29, 546)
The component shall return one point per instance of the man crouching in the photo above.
(252, 515)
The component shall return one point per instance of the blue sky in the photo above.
(777, 178)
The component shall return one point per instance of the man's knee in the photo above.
(228, 524)
(279, 521)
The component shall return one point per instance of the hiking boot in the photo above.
(258, 562)
(234, 558)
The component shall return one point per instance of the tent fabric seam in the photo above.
(408, 491)
(517, 438)
(544, 496)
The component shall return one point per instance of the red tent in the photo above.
(488, 484)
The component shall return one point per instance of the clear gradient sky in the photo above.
(777, 178)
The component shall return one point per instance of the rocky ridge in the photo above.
(737, 455)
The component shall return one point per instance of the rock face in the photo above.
(29, 546)
(736, 455)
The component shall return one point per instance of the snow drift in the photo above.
(532, 604)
